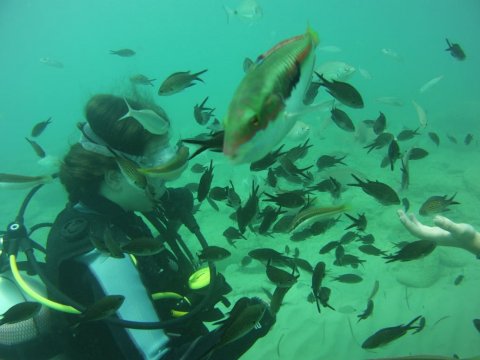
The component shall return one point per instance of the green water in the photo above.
(170, 36)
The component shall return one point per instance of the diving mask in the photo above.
(161, 160)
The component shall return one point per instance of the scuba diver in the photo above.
(114, 290)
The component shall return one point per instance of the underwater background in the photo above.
(396, 48)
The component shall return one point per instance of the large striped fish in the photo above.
(268, 100)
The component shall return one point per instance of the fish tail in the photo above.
(229, 12)
(195, 76)
(409, 325)
(359, 181)
(128, 111)
(313, 35)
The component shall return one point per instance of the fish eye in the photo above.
(254, 121)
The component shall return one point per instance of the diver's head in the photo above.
(118, 158)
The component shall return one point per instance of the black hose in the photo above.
(21, 212)
(39, 226)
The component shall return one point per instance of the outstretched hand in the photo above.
(445, 233)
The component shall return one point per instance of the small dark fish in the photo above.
(434, 137)
(437, 204)
(111, 244)
(452, 139)
(343, 92)
(283, 225)
(302, 264)
(201, 113)
(421, 325)
(405, 204)
(218, 193)
(348, 237)
(383, 193)
(311, 93)
(20, 312)
(380, 141)
(417, 153)
(247, 64)
(380, 124)
(342, 120)
(212, 203)
(205, 183)
(324, 297)
(412, 251)
(321, 226)
(371, 250)
(144, 246)
(193, 187)
(213, 253)
(266, 254)
(348, 259)
(393, 153)
(455, 50)
(299, 151)
(339, 253)
(348, 278)
(330, 185)
(271, 178)
(468, 139)
(326, 161)
(232, 233)
(244, 316)
(233, 199)
(405, 170)
(246, 213)
(198, 168)
(37, 148)
(291, 169)
(318, 275)
(280, 277)
(329, 247)
(270, 215)
(368, 311)
(458, 280)
(103, 308)
(291, 199)
(246, 260)
(123, 52)
(476, 323)
(317, 278)
(179, 81)
(301, 235)
(407, 134)
(387, 335)
(141, 79)
(267, 161)
(360, 223)
(367, 239)
(39, 127)
(212, 142)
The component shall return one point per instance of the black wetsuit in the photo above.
(71, 238)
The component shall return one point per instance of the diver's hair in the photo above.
(83, 171)
(127, 135)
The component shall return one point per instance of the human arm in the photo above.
(445, 233)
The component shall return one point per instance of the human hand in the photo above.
(445, 233)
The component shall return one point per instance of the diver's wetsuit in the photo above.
(85, 275)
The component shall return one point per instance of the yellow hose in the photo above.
(32, 293)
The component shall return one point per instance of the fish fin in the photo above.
(229, 12)
(195, 76)
(128, 114)
(313, 34)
